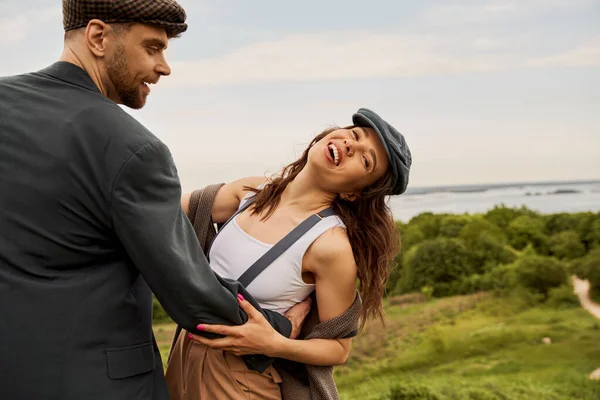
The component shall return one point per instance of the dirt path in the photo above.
(582, 289)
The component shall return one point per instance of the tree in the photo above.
(410, 236)
(428, 223)
(589, 230)
(560, 222)
(502, 216)
(158, 313)
(566, 245)
(437, 263)
(589, 268)
(451, 225)
(478, 226)
(540, 274)
(486, 252)
(526, 230)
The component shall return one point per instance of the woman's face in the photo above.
(348, 160)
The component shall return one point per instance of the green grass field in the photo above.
(475, 347)
(164, 335)
(469, 347)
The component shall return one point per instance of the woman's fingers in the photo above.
(222, 343)
(252, 312)
(220, 329)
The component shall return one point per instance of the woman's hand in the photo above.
(256, 336)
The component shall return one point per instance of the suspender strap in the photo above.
(247, 204)
(280, 247)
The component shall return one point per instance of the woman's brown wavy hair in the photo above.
(369, 225)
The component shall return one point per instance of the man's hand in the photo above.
(297, 315)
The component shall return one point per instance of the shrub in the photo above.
(566, 245)
(556, 223)
(499, 279)
(502, 216)
(478, 226)
(451, 225)
(435, 263)
(526, 230)
(486, 252)
(590, 269)
(427, 291)
(428, 223)
(410, 392)
(589, 230)
(540, 274)
(410, 236)
(410, 298)
(575, 267)
(395, 274)
(158, 313)
(562, 296)
(594, 234)
(435, 342)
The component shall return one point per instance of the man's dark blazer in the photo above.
(90, 225)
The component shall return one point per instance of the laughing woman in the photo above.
(344, 176)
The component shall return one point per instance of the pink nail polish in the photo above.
(200, 327)
(240, 297)
(190, 336)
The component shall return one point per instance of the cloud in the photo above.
(355, 55)
(460, 13)
(15, 29)
(587, 55)
(337, 55)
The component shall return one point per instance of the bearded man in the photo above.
(91, 220)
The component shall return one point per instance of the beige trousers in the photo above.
(197, 372)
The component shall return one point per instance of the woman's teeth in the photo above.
(336, 156)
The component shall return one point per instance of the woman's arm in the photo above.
(331, 260)
(228, 198)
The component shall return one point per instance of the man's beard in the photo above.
(129, 92)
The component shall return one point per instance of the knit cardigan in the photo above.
(300, 381)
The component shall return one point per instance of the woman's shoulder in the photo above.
(239, 188)
(230, 195)
(331, 253)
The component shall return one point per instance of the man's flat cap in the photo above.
(395, 146)
(167, 14)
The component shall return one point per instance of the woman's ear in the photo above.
(349, 196)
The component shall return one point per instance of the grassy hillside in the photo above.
(475, 347)
(164, 335)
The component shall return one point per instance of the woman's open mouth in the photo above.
(334, 154)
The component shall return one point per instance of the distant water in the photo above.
(545, 197)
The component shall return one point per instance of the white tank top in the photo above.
(280, 285)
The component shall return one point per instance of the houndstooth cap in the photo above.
(164, 13)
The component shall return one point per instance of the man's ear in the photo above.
(96, 35)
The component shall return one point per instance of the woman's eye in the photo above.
(355, 135)
(366, 162)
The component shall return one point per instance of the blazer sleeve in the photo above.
(158, 237)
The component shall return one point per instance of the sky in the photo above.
(483, 91)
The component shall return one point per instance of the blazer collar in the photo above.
(71, 73)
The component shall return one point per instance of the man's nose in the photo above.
(163, 68)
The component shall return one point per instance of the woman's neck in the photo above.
(302, 196)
